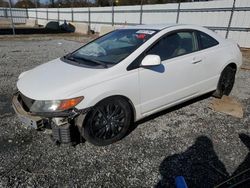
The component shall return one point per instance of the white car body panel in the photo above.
(54, 80)
(148, 91)
(163, 84)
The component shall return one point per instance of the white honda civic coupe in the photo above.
(99, 90)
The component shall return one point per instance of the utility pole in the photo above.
(112, 3)
(36, 8)
(141, 11)
(12, 23)
(178, 11)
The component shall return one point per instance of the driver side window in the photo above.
(176, 44)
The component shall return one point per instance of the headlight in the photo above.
(55, 105)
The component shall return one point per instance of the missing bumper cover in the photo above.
(65, 134)
(65, 125)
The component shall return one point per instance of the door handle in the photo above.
(197, 61)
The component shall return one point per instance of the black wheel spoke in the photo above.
(101, 132)
(108, 110)
(108, 132)
(117, 108)
(102, 112)
(116, 129)
(120, 116)
(119, 124)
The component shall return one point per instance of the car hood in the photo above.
(55, 80)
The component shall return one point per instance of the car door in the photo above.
(212, 57)
(177, 77)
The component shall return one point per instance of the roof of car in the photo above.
(174, 25)
(152, 26)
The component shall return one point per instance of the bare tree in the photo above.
(4, 3)
(24, 4)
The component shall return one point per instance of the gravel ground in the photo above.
(191, 140)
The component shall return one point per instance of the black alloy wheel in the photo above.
(226, 82)
(107, 122)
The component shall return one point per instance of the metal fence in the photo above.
(229, 18)
(19, 15)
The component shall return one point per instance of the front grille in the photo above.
(25, 102)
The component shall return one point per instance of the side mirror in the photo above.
(151, 60)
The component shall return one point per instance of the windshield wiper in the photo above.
(82, 60)
(92, 60)
(70, 57)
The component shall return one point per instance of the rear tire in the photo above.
(107, 122)
(226, 82)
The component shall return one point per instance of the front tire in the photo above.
(107, 122)
(226, 82)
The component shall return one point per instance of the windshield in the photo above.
(113, 47)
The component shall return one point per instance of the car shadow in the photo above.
(201, 167)
(241, 176)
(160, 68)
(171, 109)
(246, 164)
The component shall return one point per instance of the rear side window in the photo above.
(206, 41)
(176, 44)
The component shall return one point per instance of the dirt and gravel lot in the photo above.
(204, 146)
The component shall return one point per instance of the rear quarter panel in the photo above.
(232, 54)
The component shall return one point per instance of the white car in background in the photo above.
(97, 91)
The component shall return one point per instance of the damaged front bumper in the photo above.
(66, 126)
(25, 117)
